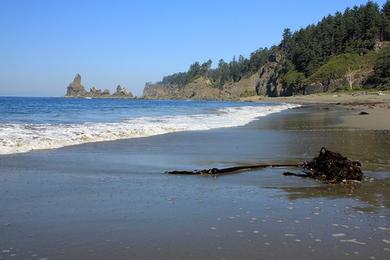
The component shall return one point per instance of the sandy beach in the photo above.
(375, 103)
(113, 200)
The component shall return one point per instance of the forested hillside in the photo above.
(343, 50)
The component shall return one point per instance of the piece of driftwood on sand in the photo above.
(230, 170)
(328, 166)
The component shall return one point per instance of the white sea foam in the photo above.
(19, 138)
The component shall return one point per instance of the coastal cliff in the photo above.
(76, 89)
(270, 80)
(202, 88)
(344, 51)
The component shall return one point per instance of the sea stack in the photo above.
(75, 89)
(122, 92)
(95, 92)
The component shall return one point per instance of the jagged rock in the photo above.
(95, 92)
(270, 80)
(106, 92)
(75, 89)
(122, 92)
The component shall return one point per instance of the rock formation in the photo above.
(122, 92)
(270, 80)
(202, 88)
(95, 92)
(267, 82)
(106, 92)
(75, 89)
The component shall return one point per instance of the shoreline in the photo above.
(375, 104)
(23, 138)
(376, 109)
(101, 97)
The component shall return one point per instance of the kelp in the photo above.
(332, 167)
(328, 166)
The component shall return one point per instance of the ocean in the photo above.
(35, 123)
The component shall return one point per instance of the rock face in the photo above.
(267, 81)
(202, 88)
(95, 92)
(122, 92)
(270, 80)
(106, 92)
(75, 89)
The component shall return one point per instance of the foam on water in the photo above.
(19, 138)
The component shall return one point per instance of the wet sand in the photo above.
(112, 200)
(375, 103)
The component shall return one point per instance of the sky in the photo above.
(45, 43)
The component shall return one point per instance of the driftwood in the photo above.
(222, 171)
(328, 167)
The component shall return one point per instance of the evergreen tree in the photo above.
(381, 76)
(355, 31)
(386, 22)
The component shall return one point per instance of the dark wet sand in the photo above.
(112, 201)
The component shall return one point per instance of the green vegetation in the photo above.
(248, 93)
(357, 30)
(339, 46)
(294, 79)
(225, 72)
(381, 75)
(343, 65)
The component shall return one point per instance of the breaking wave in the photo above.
(19, 138)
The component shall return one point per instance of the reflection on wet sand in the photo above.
(308, 132)
(375, 194)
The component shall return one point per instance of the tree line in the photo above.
(225, 71)
(356, 31)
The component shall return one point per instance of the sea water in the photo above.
(28, 124)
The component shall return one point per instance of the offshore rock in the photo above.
(95, 92)
(75, 89)
(122, 92)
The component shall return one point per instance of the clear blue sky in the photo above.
(45, 43)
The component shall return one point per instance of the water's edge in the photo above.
(20, 138)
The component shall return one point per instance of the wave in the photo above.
(19, 138)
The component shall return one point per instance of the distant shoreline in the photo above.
(104, 97)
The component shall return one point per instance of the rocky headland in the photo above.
(346, 51)
(268, 81)
(76, 89)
